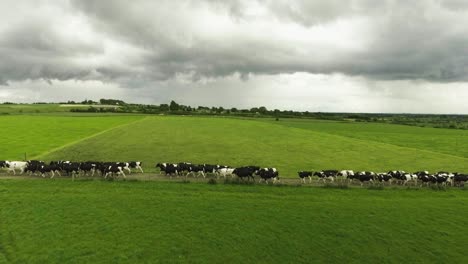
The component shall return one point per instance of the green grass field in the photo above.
(96, 221)
(59, 221)
(36, 135)
(239, 142)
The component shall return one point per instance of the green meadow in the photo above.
(60, 221)
(96, 221)
(237, 142)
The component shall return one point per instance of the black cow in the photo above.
(246, 172)
(384, 177)
(52, 169)
(305, 174)
(88, 167)
(168, 168)
(196, 170)
(326, 175)
(460, 179)
(267, 174)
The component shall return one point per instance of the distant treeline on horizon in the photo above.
(452, 121)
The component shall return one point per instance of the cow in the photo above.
(225, 172)
(365, 176)
(184, 167)
(211, 169)
(168, 168)
(267, 174)
(88, 167)
(12, 166)
(460, 179)
(305, 174)
(70, 168)
(135, 165)
(345, 174)
(326, 175)
(52, 169)
(114, 169)
(245, 172)
(384, 178)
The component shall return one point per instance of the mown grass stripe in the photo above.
(86, 138)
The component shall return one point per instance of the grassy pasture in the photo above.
(35, 135)
(448, 141)
(241, 142)
(59, 221)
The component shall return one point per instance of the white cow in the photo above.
(226, 172)
(16, 165)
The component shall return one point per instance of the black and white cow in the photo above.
(345, 175)
(267, 174)
(365, 176)
(114, 169)
(326, 175)
(305, 174)
(136, 165)
(52, 169)
(384, 178)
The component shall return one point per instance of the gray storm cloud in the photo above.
(206, 47)
(155, 40)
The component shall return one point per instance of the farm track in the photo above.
(162, 178)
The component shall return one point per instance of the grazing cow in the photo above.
(305, 174)
(268, 173)
(225, 172)
(136, 165)
(169, 169)
(16, 165)
(245, 172)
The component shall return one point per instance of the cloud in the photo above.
(147, 44)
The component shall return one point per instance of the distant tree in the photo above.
(174, 106)
(234, 110)
(262, 109)
(164, 107)
(254, 110)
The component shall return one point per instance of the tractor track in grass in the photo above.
(69, 144)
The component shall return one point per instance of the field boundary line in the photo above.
(88, 137)
(373, 141)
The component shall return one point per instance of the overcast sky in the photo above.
(330, 55)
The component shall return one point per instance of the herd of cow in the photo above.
(113, 169)
(70, 168)
(398, 177)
